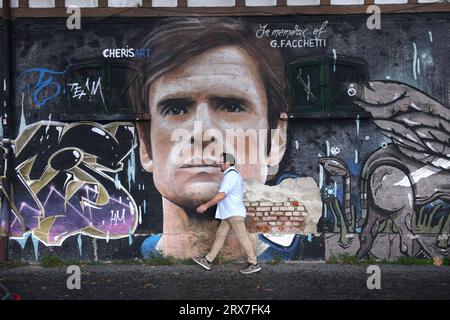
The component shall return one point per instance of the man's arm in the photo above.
(217, 198)
(226, 186)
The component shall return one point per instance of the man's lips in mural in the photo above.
(200, 163)
(201, 167)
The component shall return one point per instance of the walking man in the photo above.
(231, 211)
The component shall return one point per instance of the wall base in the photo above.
(3, 249)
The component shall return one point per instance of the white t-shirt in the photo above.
(233, 203)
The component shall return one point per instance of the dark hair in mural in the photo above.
(228, 158)
(177, 40)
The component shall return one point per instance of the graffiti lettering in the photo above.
(262, 31)
(116, 217)
(300, 43)
(127, 53)
(67, 189)
(79, 91)
(46, 88)
(296, 31)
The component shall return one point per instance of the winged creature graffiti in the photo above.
(412, 171)
(64, 183)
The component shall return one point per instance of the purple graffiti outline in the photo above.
(80, 214)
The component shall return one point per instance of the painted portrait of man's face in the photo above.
(222, 90)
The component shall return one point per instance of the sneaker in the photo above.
(251, 268)
(203, 262)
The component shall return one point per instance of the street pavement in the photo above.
(282, 281)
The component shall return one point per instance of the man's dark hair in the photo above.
(228, 158)
(176, 40)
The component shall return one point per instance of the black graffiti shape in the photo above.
(42, 144)
(109, 149)
(65, 159)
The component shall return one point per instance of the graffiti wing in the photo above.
(416, 123)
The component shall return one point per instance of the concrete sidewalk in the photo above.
(283, 281)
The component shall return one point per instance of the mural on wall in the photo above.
(404, 183)
(113, 126)
(4, 212)
(195, 86)
(81, 88)
(60, 193)
(66, 182)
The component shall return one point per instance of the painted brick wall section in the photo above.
(276, 217)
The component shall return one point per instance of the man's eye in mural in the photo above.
(175, 107)
(231, 105)
(181, 106)
(175, 111)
